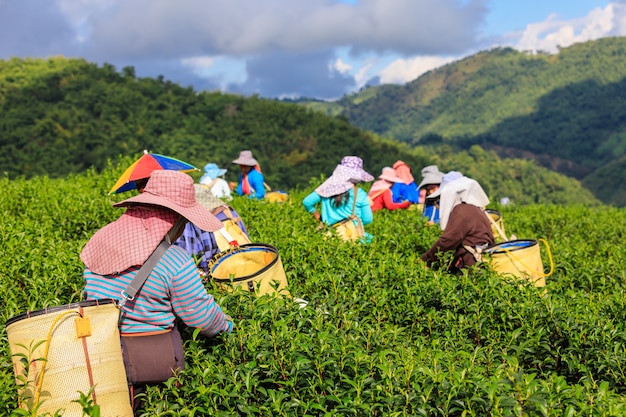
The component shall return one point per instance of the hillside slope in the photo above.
(61, 116)
(566, 111)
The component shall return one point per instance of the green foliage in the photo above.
(566, 111)
(605, 182)
(64, 116)
(521, 181)
(381, 335)
(86, 401)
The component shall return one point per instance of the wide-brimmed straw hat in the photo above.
(212, 171)
(389, 174)
(345, 175)
(430, 175)
(245, 158)
(205, 197)
(131, 239)
(175, 191)
(445, 180)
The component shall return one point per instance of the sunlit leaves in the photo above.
(380, 335)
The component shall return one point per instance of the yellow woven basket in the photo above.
(256, 267)
(69, 349)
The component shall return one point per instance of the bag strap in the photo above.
(378, 193)
(496, 226)
(211, 184)
(477, 253)
(131, 290)
(354, 203)
(229, 214)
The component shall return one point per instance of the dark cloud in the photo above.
(280, 74)
(290, 43)
(34, 28)
(140, 28)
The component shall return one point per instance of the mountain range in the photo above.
(566, 111)
(60, 116)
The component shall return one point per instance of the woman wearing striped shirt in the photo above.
(173, 291)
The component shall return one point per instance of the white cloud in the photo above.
(619, 19)
(363, 74)
(220, 69)
(402, 71)
(551, 33)
(341, 66)
(276, 47)
(198, 62)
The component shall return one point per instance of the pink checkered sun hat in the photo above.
(128, 241)
(175, 191)
(345, 175)
(131, 239)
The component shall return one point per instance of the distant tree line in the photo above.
(61, 116)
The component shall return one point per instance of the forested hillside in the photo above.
(65, 115)
(60, 116)
(566, 111)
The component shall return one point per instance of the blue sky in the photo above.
(295, 48)
(506, 16)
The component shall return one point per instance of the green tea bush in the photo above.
(381, 335)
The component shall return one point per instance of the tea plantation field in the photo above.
(381, 335)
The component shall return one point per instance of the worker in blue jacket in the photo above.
(251, 180)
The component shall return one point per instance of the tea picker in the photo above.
(466, 229)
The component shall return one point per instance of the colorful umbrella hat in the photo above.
(143, 167)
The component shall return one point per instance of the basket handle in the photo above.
(545, 242)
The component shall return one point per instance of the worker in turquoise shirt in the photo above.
(338, 193)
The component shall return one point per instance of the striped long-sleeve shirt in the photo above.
(173, 289)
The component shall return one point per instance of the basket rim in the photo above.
(247, 247)
(56, 309)
(500, 247)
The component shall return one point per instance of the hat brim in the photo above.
(435, 194)
(214, 173)
(250, 162)
(390, 178)
(196, 213)
(426, 182)
(430, 178)
(356, 175)
(205, 197)
(333, 186)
